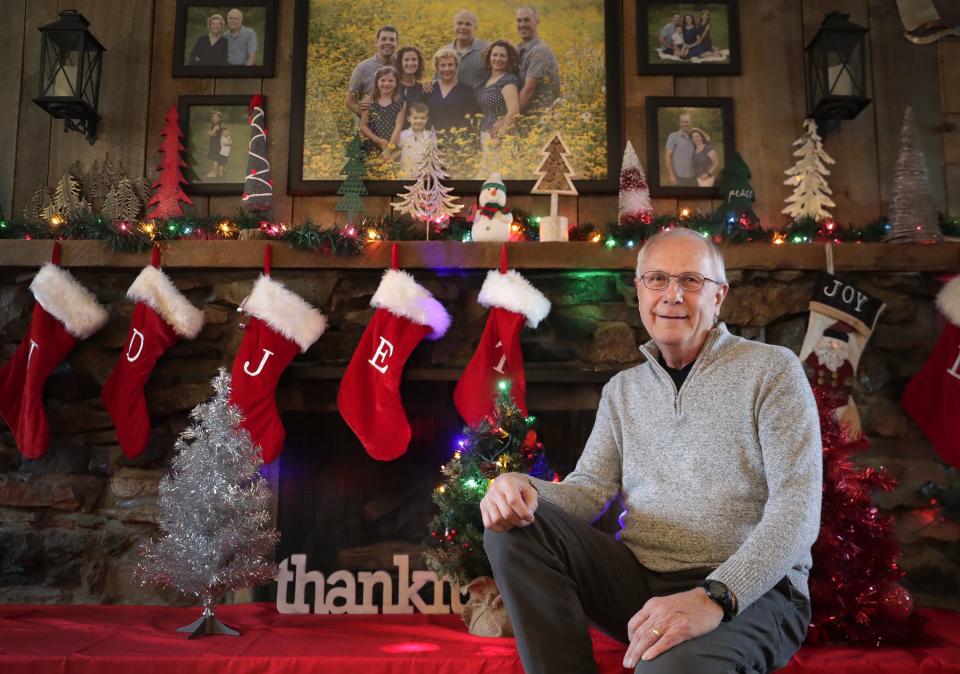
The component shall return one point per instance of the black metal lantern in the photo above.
(71, 60)
(837, 71)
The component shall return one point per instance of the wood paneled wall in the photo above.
(769, 106)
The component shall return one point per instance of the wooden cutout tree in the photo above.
(258, 185)
(428, 200)
(169, 194)
(352, 187)
(121, 203)
(67, 198)
(555, 173)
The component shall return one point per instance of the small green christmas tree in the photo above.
(505, 442)
(352, 187)
(737, 192)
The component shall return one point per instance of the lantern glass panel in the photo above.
(62, 62)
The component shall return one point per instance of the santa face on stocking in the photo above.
(829, 366)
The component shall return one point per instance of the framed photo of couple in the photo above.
(688, 141)
(225, 40)
(402, 72)
(688, 38)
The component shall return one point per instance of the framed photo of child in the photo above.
(225, 40)
(216, 135)
(494, 81)
(688, 38)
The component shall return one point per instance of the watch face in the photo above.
(716, 589)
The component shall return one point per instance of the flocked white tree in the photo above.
(428, 200)
(634, 201)
(811, 194)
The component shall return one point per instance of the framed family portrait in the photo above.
(216, 135)
(688, 38)
(225, 40)
(490, 85)
(688, 141)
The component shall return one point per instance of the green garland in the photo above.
(343, 240)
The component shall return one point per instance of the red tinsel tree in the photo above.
(634, 202)
(258, 186)
(854, 583)
(168, 193)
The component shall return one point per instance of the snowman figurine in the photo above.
(492, 220)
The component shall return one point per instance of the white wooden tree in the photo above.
(428, 199)
(811, 194)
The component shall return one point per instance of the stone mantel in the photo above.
(943, 257)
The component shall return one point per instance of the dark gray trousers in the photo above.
(559, 575)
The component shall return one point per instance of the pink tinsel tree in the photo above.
(634, 202)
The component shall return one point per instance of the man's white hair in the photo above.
(719, 268)
(533, 10)
(468, 14)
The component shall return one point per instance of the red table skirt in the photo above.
(142, 640)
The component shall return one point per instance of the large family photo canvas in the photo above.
(688, 38)
(581, 98)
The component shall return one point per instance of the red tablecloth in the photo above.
(142, 640)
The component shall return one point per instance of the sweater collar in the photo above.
(715, 340)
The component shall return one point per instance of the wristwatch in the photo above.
(720, 593)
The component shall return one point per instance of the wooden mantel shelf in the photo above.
(943, 257)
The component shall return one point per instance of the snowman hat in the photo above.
(494, 181)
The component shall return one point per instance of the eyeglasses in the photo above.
(689, 281)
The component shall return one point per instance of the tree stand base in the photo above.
(206, 625)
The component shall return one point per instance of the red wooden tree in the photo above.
(168, 195)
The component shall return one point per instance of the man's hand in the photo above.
(664, 622)
(365, 101)
(509, 502)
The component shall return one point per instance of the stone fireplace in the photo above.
(70, 523)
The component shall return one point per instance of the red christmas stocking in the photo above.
(512, 300)
(161, 317)
(281, 324)
(932, 398)
(65, 312)
(369, 395)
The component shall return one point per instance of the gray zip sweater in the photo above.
(724, 473)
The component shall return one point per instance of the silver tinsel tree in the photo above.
(913, 217)
(214, 513)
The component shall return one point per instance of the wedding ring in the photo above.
(656, 631)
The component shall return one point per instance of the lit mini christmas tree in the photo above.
(258, 185)
(634, 202)
(810, 198)
(428, 200)
(352, 188)
(168, 195)
(913, 217)
(503, 442)
(214, 513)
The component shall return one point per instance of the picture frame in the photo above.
(590, 100)
(710, 46)
(679, 164)
(204, 152)
(198, 52)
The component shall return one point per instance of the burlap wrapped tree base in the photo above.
(484, 613)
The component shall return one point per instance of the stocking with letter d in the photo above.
(162, 316)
